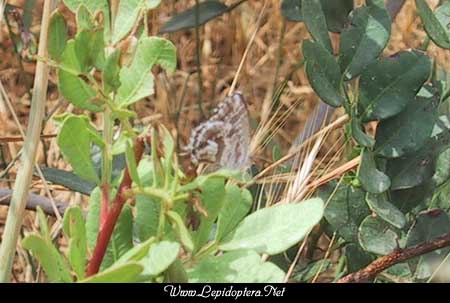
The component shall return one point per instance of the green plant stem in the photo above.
(23, 180)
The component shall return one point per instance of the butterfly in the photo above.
(224, 139)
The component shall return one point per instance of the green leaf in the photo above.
(436, 25)
(345, 210)
(72, 87)
(237, 205)
(93, 7)
(122, 238)
(442, 171)
(147, 216)
(414, 169)
(386, 210)
(388, 85)
(43, 226)
(160, 256)
(169, 150)
(336, 13)
(127, 16)
(275, 229)
(181, 230)
(75, 230)
(364, 40)
(359, 135)
(110, 75)
(372, 180)
(74, 140)
(429, 225)
(147, 208)
(93, 218)
(323, 73)
(89, 49)
(176, 273)
(377, 237)
(67, 179)
(126, 273)
(84, 19)
(408, 131)
(235, 267)
(314, 18)
(138, 252)
(208, 10)
(131, 163)
(137, 80)
(57, 36)
(212, 199)
(292, 10)
(48, 256)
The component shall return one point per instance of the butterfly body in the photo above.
(224, 139)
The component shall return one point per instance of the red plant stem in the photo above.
(107, 228)
(397, 256)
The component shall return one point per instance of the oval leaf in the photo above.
(273, 230)
(389, 84)
(372, 180)
(74, 140)
(126, 273)
(408, 131)
(235, 267)
(75, 230)
(323, 73)
(375, 236)
(48, 256)
(136, 80)
(314, 18)
(160, 256)
(346, 209)
(57, 35)
(436, 25)
(386, 210)
(364, 40)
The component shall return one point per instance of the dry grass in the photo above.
(223, 43)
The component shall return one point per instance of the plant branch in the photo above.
(106, 229)
(34, 201)
(395, 257)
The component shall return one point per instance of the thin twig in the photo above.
(198, 57)
(34, 201)
(398, 256)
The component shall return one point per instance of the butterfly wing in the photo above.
(236, 153)
(224, 139)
